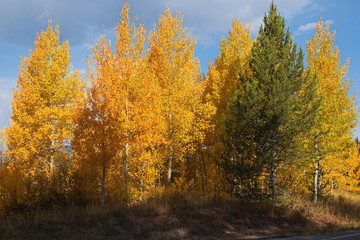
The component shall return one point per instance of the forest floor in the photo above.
(184, 220)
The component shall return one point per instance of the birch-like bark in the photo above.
(170, 156)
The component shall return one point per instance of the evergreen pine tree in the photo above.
(267, 112)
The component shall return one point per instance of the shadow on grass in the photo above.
(169, 217)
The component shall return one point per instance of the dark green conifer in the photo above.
(268, 112)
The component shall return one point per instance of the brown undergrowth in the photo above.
(176, 217)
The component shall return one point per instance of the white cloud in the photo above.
(290, 8)
(7, 85)
(21, 19)
(329, 22)
(80, 19)
(310, 27)
(5, 96)
(208, 17)
(5, 108)
(307, 27)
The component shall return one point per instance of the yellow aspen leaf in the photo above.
(41, 127)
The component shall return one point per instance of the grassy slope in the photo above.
(185, 219)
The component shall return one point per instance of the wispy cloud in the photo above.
(329, 21)
(310, 27)
(5, 96)
(307, 27)
(7, 84)
(80, 19)
(21, 19)
(5, 108)
(206, 17)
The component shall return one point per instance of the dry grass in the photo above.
(344, 206)
(176, 217)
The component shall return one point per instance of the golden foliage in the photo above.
(336, 117)
(177, 71)
(221, 82)
(149, 124)
(41, 127)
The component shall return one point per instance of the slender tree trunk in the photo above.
(267, 183)
(52, 158)
(170, 161)
(142, 177)
(126, 170)
(272, 188)
(171, 154)
(103, 181)
(233, 191)
(127, 148)
(273, 176)
(316, 174)
(204, 183)
(52, 150)
(316, 180)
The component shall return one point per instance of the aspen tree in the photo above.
(332, 133)
(120, 125)
(221, 82)
(96, 135)
(138, 100)
(233, 60)
(41, 127)
(177, 70)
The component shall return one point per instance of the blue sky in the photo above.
(82, 21)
